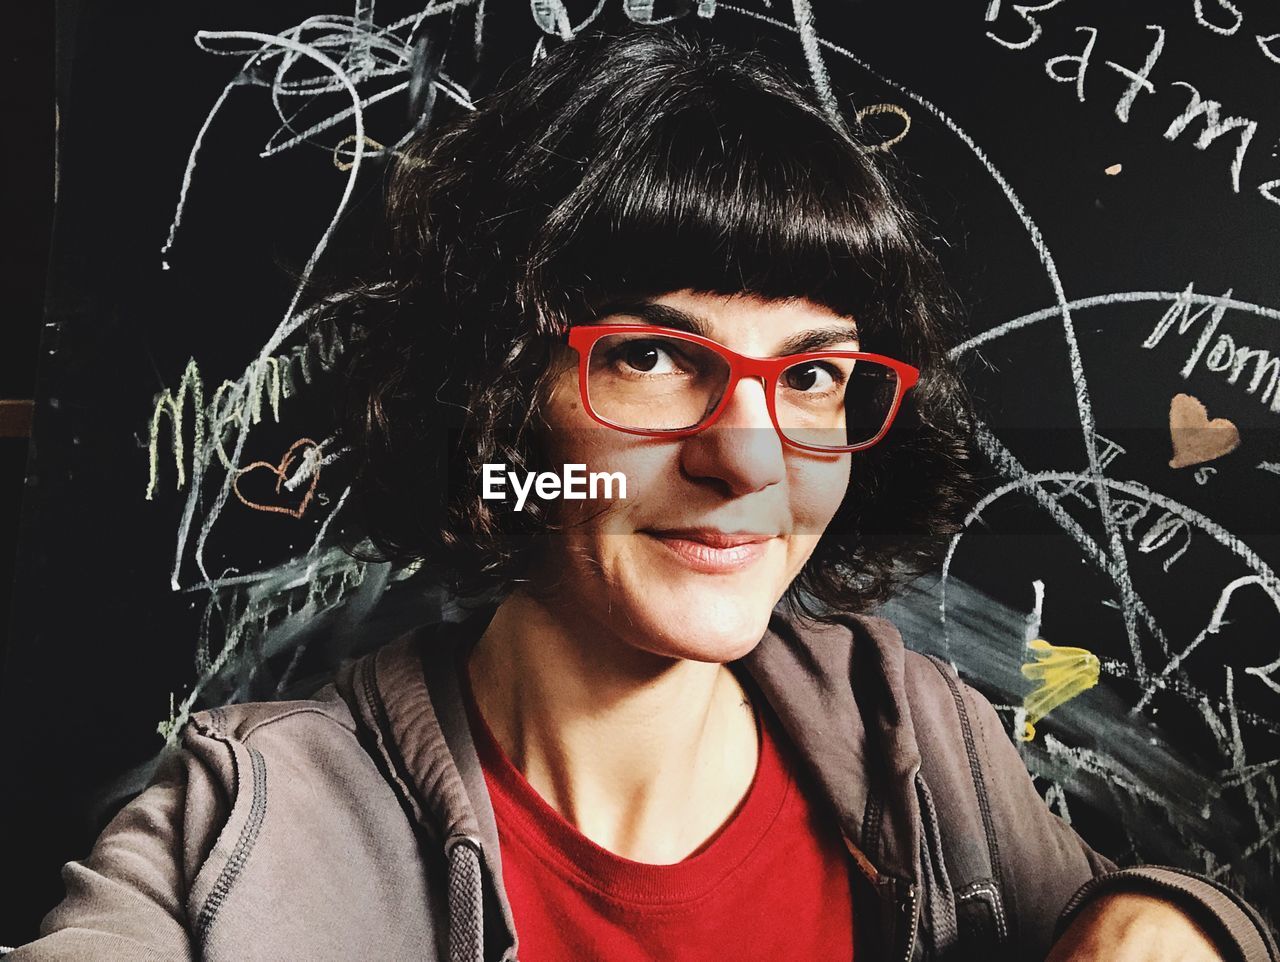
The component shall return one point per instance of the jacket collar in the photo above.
(409, 698)
(840, 694)
(838, 691)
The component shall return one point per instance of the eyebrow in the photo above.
(662, 315)
(819, 339)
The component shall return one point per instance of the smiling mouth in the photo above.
(713, 552)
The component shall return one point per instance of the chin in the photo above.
(699, 622)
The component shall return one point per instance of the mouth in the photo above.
(712, 551)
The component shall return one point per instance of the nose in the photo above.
(741, 452)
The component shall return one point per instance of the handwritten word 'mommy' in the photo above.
(1225, 356)
(268, 381)
(574, 485)
(1072, 68)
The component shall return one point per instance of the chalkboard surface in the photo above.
(1104, 183)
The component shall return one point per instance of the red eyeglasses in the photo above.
(657, 382)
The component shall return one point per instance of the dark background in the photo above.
(101, 649)
(26, 208)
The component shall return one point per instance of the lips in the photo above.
(712, 537)
(711, 551)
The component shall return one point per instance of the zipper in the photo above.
(869, 871)
(911, 908)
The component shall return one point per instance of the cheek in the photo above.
(817, 489)
(572, 437)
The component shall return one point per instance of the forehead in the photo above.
(751, 324)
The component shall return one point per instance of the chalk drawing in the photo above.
(310, 453)
(1195, 438)
(1081, 63)
(1232, 11)
(1060, 673)
(1266, 45)
(1215, 126)
(262, 388)
(875, 109)
(343, 149)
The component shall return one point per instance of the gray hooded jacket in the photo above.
(357, 825)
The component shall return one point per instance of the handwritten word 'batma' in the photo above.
(1073, 68)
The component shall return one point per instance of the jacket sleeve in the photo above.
(1034, 832)
(127, 899)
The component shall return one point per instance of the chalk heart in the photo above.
(281, 471)
(1196, 439)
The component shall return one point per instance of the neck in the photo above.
(645, 755)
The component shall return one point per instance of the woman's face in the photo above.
(716, 525)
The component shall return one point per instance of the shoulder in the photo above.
(275, 725)
(269, 760)
(254, 735)
(303, 805)
(932, 689)
(957, 732)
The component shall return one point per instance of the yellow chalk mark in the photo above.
(347, 146)
(896, 111)
(1060, 674)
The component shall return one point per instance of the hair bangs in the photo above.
(727, 198)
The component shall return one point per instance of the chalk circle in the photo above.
(875, 109)
(347, 146)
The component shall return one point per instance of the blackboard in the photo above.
(1103, 181)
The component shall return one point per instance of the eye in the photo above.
(812, 377)
(645, 357)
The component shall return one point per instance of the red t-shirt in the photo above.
(772, 884)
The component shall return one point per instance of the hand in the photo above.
(1131, 927)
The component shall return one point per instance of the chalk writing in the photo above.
(1225, 356)
(1110, 451)
(1073, 68)
(1232, 11)
(265, 385)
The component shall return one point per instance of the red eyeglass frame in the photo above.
(768, 369)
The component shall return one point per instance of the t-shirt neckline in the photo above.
(524, 817)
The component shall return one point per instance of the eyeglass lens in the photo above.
(653, 382)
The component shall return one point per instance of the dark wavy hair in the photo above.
(616, 168)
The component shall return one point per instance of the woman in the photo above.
(659, 261)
